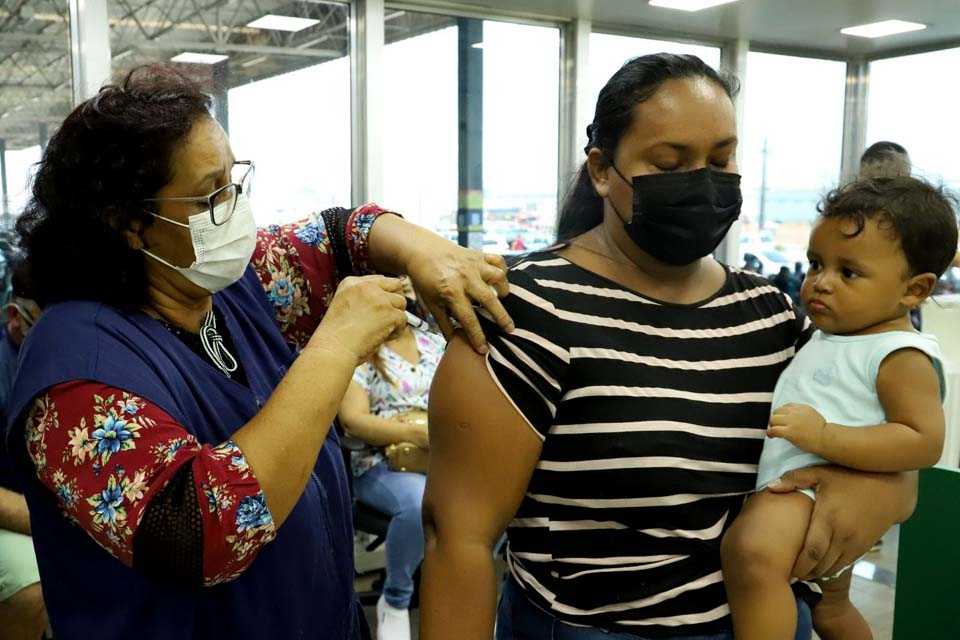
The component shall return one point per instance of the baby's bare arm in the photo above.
(912, 437)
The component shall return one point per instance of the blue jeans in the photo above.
(399, 494)
(520, 619)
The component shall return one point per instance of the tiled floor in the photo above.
(872, 591)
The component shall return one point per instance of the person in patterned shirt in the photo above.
(22, 613)
(386, 404)
(170, 423)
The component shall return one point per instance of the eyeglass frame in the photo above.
(15, 302)
(210, 199)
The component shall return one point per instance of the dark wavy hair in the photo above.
(635, 82)
(922, 216)
(110, 153)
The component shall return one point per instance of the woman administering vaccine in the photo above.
(174, 448)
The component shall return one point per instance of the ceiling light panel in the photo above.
(885, 28)
(282, 23)
(192, 57)
(688, 5)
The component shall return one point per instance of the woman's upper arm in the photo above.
(107, 455)
(355, 403)
(482, 451)
(104, 453)
(297, 269)
(301, 264)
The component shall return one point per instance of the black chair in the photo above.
(370, 521)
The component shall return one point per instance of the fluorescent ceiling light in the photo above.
(310, 43)
(252, 62)
(885, 28)
(198, 58)
(688, 5)
(282, 23)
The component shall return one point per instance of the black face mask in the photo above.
(679, 218)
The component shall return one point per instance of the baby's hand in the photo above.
(801, 424)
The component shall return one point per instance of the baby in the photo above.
(865, 392)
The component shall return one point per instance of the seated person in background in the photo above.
(865, 393)
(785, 281)
(885, 159)
(752, 263)
(22, 613)
(386, 404)
(798, 273)
(22, 313)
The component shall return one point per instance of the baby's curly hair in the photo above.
(112, 152)
(922, 216)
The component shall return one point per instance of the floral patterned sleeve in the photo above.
(106, 454)
(301, 264)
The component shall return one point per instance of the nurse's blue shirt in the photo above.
(299, 586)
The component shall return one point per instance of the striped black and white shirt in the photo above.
(652, 417)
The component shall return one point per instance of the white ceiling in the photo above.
(811, 25)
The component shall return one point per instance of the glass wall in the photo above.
(421, 127)
(790, 152)
(35, 92)
(453, 144)
(279, 72)
(912, 102)
(35, 97)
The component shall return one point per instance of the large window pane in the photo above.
(283, 95)
(913, 103)
(36, 94)
(441, 155)
(420, 128)
(521, 86)
(608, 53)
(791, 148)
(35, 91)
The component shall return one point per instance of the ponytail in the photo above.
(582, 208)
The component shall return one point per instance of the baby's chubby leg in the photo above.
(759, 552)
(835, 618)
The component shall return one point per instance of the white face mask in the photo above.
(222, 252)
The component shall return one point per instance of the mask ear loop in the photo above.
(632, 190)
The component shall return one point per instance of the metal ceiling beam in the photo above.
(58, 40)
(129, 19)
(32, 85)
(186, 45)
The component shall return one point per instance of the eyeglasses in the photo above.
(223, 201)
(20, 308)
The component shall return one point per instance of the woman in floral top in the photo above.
(387, 404)
(173, 446)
